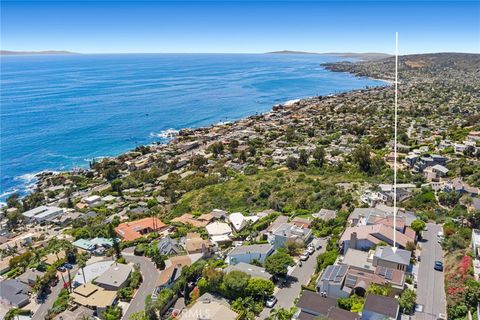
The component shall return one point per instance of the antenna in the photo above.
(395, 150)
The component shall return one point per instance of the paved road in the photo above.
(300, 275)
(150, 275)
(431, 288)
(42, 311)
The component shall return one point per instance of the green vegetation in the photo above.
(277, 263)
(353, 303)
(407, 301)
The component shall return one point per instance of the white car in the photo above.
(270, 302)
(304, 256)
(310, 250)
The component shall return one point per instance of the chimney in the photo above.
(353, 240)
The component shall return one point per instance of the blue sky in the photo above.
(237, 27)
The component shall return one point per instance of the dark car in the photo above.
(438, 266)
(68, 266)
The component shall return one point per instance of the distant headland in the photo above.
(361, 56)
(9, 52)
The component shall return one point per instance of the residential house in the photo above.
(5, 264)
(189, 219)
(168, 246)
(93, 297)
(380, 308)
(93, 201)
(42, 214)
(332, 280)
(365, 237)
(51, 258)
(461, 187)
(476, 243)
(84, 245)
(14, 293)
(237, 220)
(289, 232)
(219, 214)
(195, 244)
(325, 214)
(386, 257)
(172, 271)
(428, 161)
(209, 307)
(247, 254)
(301, 222)
(30, 277)
(219, 232)
(312, 305)
(250, 269)
(357, 258)
(115, 277)
(133, 230)
(76, 313)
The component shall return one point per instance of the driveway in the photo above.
(42, 311)
(431, 288)
(300, 275)
(150, 276)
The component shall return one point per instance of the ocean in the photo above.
(60, 111)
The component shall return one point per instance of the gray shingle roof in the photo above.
(383, 305)
(401, 256)
(254, 248)
(15, 292)
(254, 271)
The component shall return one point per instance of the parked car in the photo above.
(68, 266)
(438, 265)
(270, 301)
(304, 256)
(310, 250)
(61, 269)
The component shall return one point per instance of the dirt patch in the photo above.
(415, 64)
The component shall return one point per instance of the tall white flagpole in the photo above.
(395, 149)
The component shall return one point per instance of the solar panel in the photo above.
(351, 281)
(327, 274)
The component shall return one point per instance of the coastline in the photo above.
(35, 180)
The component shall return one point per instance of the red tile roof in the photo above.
(133, 230)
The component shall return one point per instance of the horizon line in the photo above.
(67, 52)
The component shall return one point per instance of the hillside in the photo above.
(9, 52)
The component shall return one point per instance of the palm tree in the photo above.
(116, 245)
(82, 263)
(282, 314)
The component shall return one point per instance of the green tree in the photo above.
(303, 157)
(292, 163)
(277, 264)
(282, 314)
(407, 301)
(418, 226)
(159, 260)
(82, 263)
(235, 283)
(260, 288)
(293, 247)
(112, 313)
(319, 156)
(361, 155)
(213, 278)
